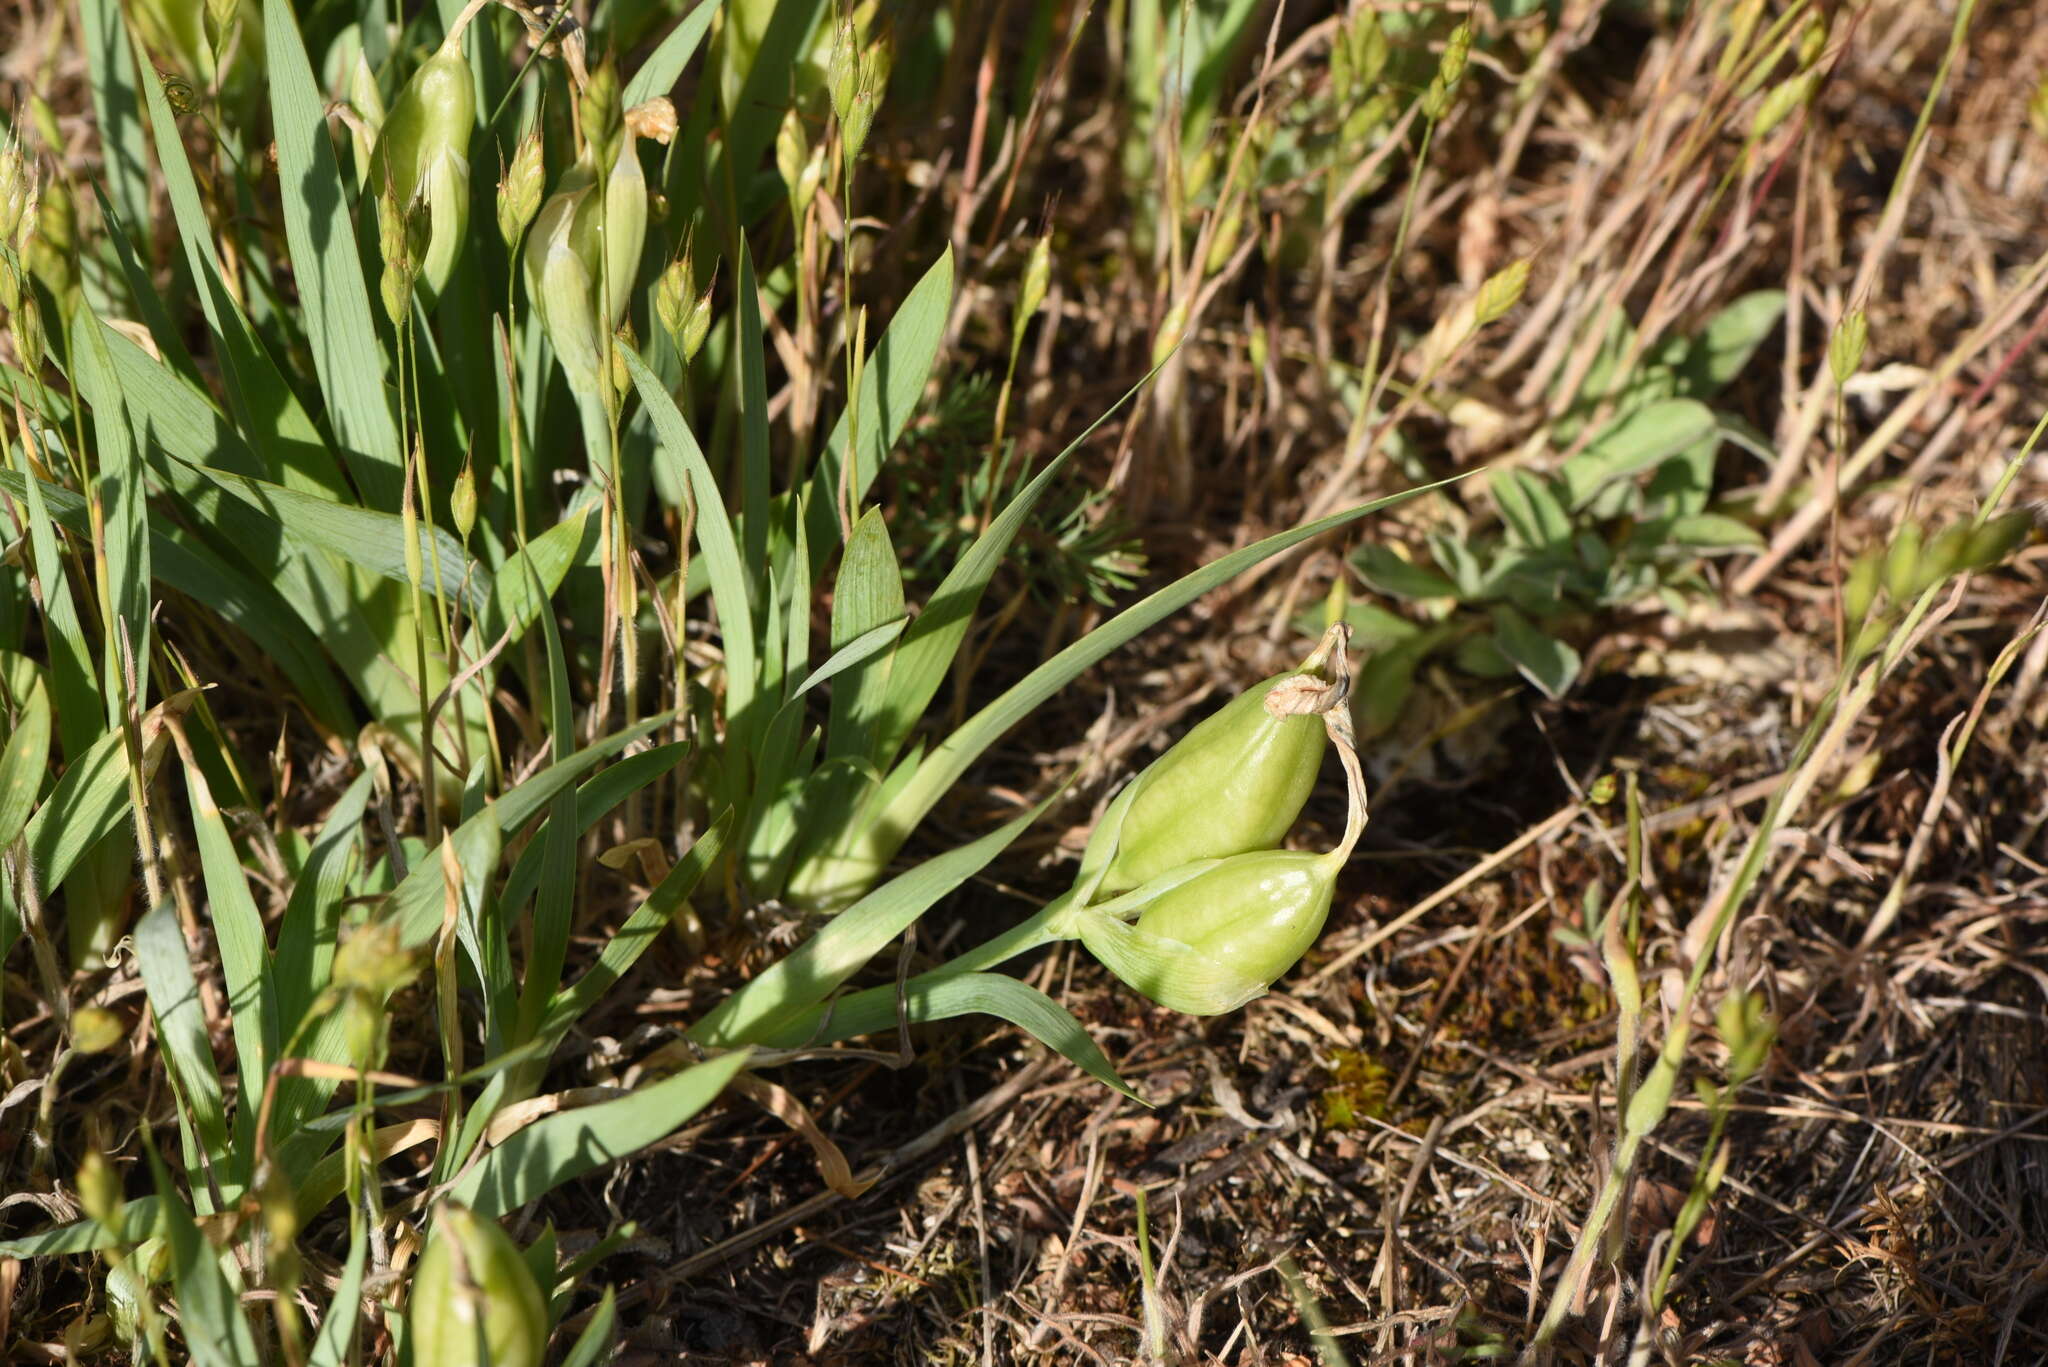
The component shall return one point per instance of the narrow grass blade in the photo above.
(729, 580)
(345, 1312)
(547, 1153)
(647, 922)
(664, 66)
(137, 1221)
(892, 384)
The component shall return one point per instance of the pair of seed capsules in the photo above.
(1184, 892)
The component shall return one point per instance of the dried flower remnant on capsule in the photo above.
(1236, 782)
(474, 1300)
(1213, 933)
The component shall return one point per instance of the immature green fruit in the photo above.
(473, 1299)
(1212, 942)
(1902, 563)
(581, 259)
(423, 152)
(1236, 782)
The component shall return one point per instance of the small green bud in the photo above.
(519, 192)
(860, 117)
(1782, 98)
(1741, 24)
(623, 341)
(1235, 782)
(1224, 242)
(1996, 539)
(1746, 1027)
(602, 115)
(1457, 51)
(99, 1188)
(462, 502)
(1813, 42)
(2037, 109)
(800, 172)
(672, 295)
(1860, 585)
(1501, 291)
(1902, 563)
(51, 241)
(374, 959)
(28, 332)
(1212, 942)
(95, 1030)
(1845, 346)
(422, 154)
(696, 327)
(561, 281)
(1031, 289)
(17, 187)
(1359, 56)
(1943, 556)
(10, 284)
(474, 1300)
(842, 68)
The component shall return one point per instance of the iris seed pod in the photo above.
(584, 252)
(1234, 783)
(423, 152)
(474, 1301)
(1211, 943)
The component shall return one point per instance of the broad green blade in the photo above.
(24, 764)
(210, 1316)
(181, 1030)
(339, 328)
(892, 383)
(969, 994)
(118, 489)
(117, 113)
(728, 577)
(244, 952)
(846, 943)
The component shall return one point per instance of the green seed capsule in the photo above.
(582, 255)
(1211, 942)
(423, 150)
(1236, 782)
(474, 1301)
